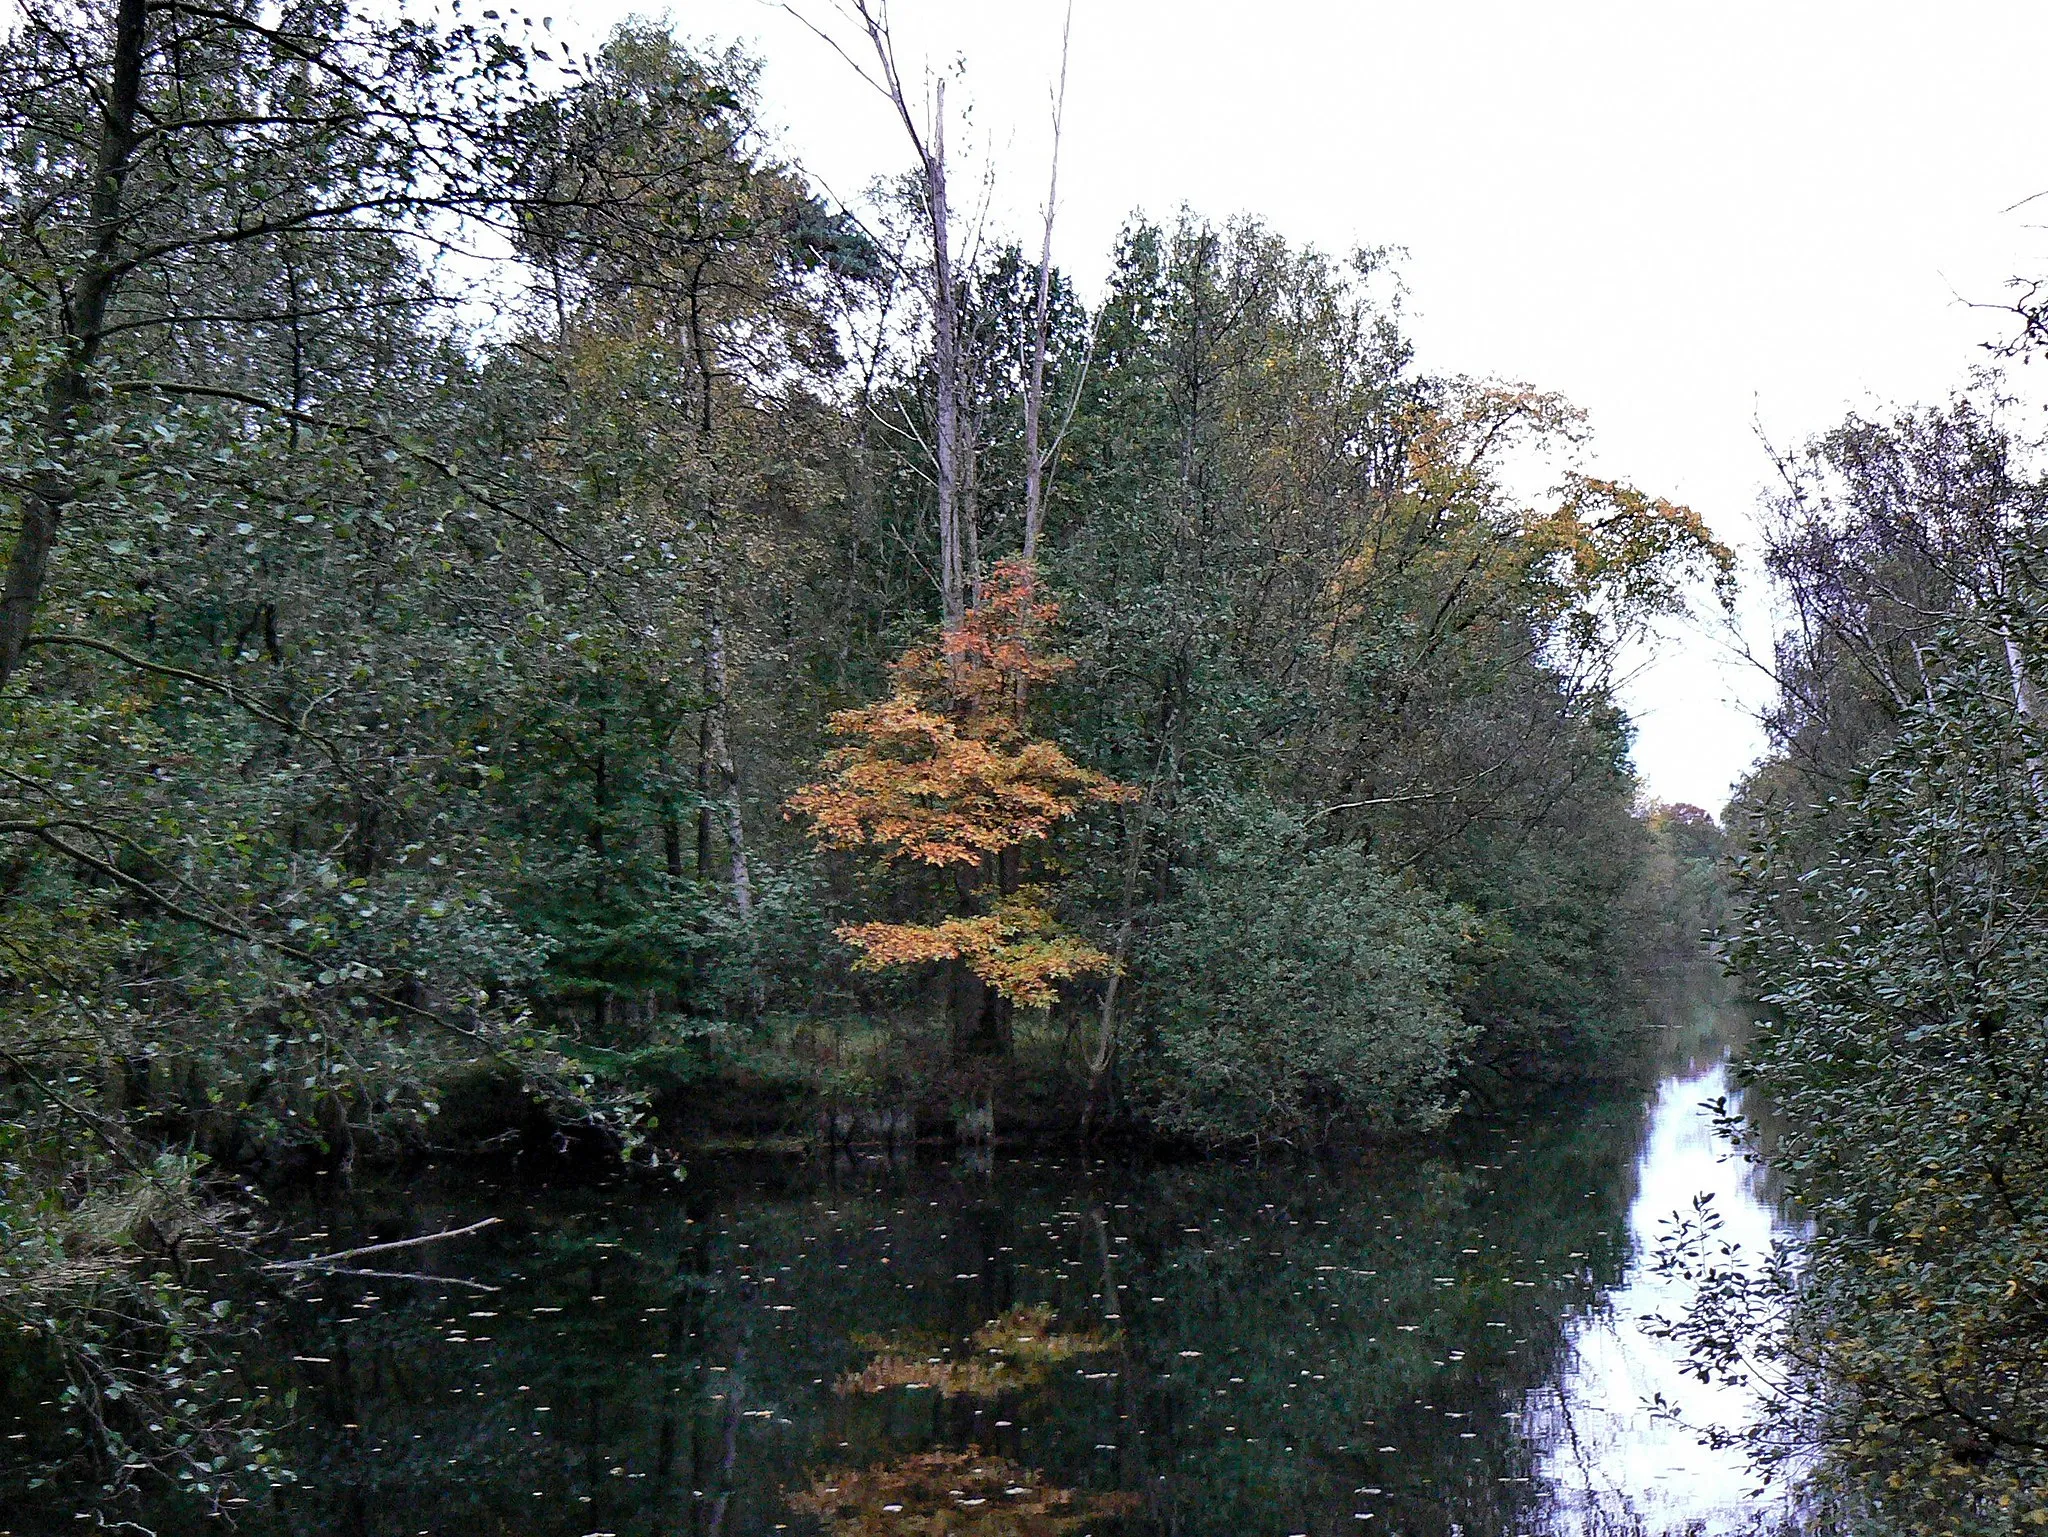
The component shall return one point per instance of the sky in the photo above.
(1708, 226)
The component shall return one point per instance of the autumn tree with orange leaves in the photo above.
(945, 776)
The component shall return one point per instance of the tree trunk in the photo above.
(2023, 704)
(946, 366)
(945, 308)
(970, 499)
(2022, 683)
(672, 843)
(84, 322)
(704, 788)
(2016, 668)
(1103, 1056)
(981, 1015)
(718, 720)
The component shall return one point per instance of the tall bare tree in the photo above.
(1035, 457)
(928, 142)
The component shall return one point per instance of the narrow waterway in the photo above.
(1612, 1459)
(1442, 1340)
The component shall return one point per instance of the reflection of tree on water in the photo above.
(1013, 1353)
(967, 1493)
(952, 1494)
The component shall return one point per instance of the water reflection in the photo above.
(1437, 1342)
(1610, 1461)
(958, 1494)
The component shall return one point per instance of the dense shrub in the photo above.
(1296, 993)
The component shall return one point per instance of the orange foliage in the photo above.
(952, 1494)
(1025, 1345)
(1018, 949)
(944, 773)
(920, 785)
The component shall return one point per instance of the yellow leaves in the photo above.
(1017, 948)
(1635, 547)
(1601, 561)
(1454, 548)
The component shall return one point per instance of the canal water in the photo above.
(1444, 1339)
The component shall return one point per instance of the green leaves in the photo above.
(1298, 994)
(1905, 1049)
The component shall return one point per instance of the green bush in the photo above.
(1294, 993)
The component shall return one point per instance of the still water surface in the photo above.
(1443, 1340)
(1608, 1458)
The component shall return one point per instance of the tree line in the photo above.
(518, 606)
(1887, 893)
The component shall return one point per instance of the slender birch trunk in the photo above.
(1034, 384)
(931, 156)
(2022, 682)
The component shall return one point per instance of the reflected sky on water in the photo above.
(1607, 1454)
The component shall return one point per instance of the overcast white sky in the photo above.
(1689, 219)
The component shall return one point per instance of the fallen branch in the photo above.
(413, 1275)
(322, 1261)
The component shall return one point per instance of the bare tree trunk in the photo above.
(1034, 385)
(946, 365)
(970, 495)
(84, 322)
(874, 18)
